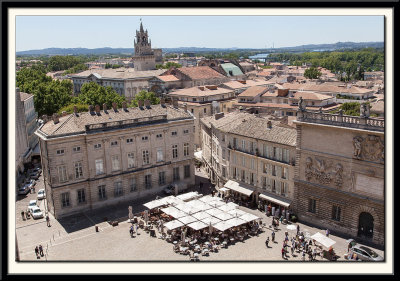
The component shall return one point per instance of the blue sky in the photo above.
(39, 32)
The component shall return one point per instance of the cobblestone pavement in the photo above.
(75, 238)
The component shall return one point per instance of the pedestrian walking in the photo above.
(273, 236)
(314, 253)
(48, 220)
(283, 252)
(267, 242)
(292, 249)
(137, 228)
(23, 215)
(37, 251)
(303, 258)
(41, 250)
(327, 232)
(131, 230)
(310, 257)
(298, 229)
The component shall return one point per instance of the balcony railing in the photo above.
(366, 123)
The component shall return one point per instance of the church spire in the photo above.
(141, 25)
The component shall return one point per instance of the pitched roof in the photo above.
(197, 92)
(324, 87)
(252, 126)
(119, 73)
(75, 124)
(253, 91)
(311, 96)
(168, 78)
(200, 72)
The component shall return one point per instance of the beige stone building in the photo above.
(252, 155)
(22, 150)
(339, 176)
(102, 157)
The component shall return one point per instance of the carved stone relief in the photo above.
(369, 148)
(324, 172)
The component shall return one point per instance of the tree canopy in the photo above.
(312, 73)
(94, 94)
(168, 65)
(144, 95)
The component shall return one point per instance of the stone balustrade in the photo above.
(366, 123)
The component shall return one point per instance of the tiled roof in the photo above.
(197, 92)
(250, 125)
(168, 78)
(310, 96)
(325, 88)
(200, 72)
(253, 91)
(119, 73)
(72, 124)
(24, 96)
(285, 106)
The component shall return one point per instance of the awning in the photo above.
(199, 155)
(275, 199)
(322, 239)
(154, 204)
(239, 187)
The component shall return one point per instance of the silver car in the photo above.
(365, 254)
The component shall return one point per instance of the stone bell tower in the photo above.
(144, 58)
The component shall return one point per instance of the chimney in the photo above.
(56, 118)
(140, 103)
(269, 125)
(124, 106)
(105, 108)
(97, 109)
(75, 110)
(45, 118)
(185, 106)
(147, 103)
(90, 109)
(175, 103)
(114, 106)
(201, 88)
(64, 113)
(218, 115)
(162, 102)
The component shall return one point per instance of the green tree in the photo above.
(168, 65)
(94, 94)
(312, 73)
(144, 95)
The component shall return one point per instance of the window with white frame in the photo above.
(285, 173)
(175, 151)
(186, 149)
(336, 210)
(62, 173)
(78, 170)
(176, 174)
(264, 182)
(146, 158)
(286, 155)
(115, 162)
(131, 160)
(243, 161)
(243, 178)
(65, 199)
(76, 149)
(99, 166)
(147, 181)
(118, 191)
(132, 184)
(252, 165)
(161, 178)
(81, 196)
(102, 192)
(160, 154)
(243, 145)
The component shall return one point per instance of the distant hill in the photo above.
(127, 51)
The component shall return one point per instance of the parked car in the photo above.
(32, 203)
(34, 175)
(41, 194)
(364, 253)
(31, 183)
(36, 212)
(23, 190)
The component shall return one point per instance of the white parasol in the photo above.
(154, 204)
(236, 212)
(213, 212)
(222, 225)
(211, 220)
(197, 225)
(201, 215)
(216, 203)
(249, 217)
(173, 212)
(173, 224)
(223, 216)
(235, 221)
(226, 208)
(291, 227)
(187, 219)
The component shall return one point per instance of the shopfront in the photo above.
(240, 192)
(274, 205)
